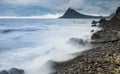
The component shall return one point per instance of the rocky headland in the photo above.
(104, 58)
(72, 13)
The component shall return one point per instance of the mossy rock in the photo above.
(118, 16)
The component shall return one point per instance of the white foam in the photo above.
(48, 44)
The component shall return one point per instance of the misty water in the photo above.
(30, 44)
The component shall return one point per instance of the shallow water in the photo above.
(30, 43)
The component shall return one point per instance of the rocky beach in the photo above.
(104, 58)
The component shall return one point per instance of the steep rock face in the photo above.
(12, 71)
(71, 13)
(117, 14)
(118, 10)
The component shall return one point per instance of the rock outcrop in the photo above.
(117, 14)
(12, 71)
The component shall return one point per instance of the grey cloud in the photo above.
(85, 6)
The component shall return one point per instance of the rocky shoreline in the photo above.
(104, 59)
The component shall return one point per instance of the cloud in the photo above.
(52, 4)
(76, 4)
(21, 2)
(36, 7)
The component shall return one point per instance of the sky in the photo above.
(56, 7)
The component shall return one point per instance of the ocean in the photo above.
(30, 44)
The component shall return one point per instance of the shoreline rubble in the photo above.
(104, 59)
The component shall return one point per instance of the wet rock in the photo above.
(92, 31)
(102, 20)
(16, 71)
(78, 41)
(4, 72)
(96, 36)
(12, 71)
(94, 23)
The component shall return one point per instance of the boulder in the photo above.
(4, 72)
(78, 41)
(96, 36)
(102, 20)
(94, 23)
(92, 30)
(15, 71)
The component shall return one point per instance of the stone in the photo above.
(102, 20)
(95, 36)
(78, 41)
(15, 71)
(94, 23)
(4, 72)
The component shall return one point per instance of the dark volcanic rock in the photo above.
(12, 71)
(96, 35)
(117, 15)
(92, 30)
(94, 23)
(102, 20)
(78, 41)
(118, 10)
(4, 72)
(16, 71)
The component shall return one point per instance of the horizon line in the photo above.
(26, 17)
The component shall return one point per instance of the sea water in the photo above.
(30, 43)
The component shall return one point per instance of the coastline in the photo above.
(104, 59)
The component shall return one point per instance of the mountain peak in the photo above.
(72, 13)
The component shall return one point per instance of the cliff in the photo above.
(117, 14)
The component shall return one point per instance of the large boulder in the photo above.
(12, 71)
(102, 20)
(16, 71)
(78, 41)
(4, 72)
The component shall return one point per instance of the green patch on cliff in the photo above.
(118, 16)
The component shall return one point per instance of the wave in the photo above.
(17, 30)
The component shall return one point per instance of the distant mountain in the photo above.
(71, 13)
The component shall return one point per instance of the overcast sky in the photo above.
(42, 7)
